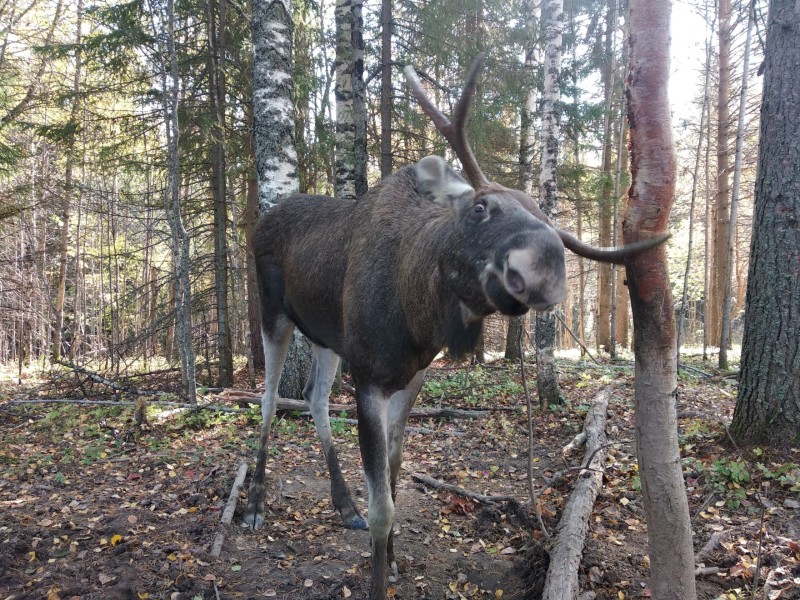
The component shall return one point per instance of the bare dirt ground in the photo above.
(93, 507)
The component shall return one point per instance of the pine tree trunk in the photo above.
(606, 196)
(527, 137)
(719, 267)
(725, 339)
(552, 23)
(768, 404)
(216, 75)
(386, 89)
(66, 210)
(650, 198)
(170, 81)
(704, 115)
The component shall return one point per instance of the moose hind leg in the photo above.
(317, 393)
(276, 346)
(372, 414)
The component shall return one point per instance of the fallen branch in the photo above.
(710, 546)
(289, 404)
(409, 429)
(230, 508)
(107, 382)
(561, 582)
(459, 491)
(78, 402)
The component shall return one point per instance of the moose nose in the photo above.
(534, 273)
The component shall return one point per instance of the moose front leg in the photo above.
(276, 346)
(400, 405)
(317, 392)
(373, 406)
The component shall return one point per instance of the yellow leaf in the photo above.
(453, 586)
(103, 455)
(172, 556)
(116, 539)
(143, 595)
(498, 593)
(621, 595)
(31, 555)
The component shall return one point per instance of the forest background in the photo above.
(86, 251)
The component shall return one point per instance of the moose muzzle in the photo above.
(534, 272)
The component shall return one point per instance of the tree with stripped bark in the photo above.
(650, 199)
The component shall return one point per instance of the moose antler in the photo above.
(455, 133)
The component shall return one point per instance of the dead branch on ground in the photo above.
(561, 582)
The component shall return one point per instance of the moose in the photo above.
(387, 282)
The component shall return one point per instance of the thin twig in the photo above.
(575, 337)
(531, 486)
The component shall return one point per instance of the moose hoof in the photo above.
(254, 520)
(393, 575)
(356, 522)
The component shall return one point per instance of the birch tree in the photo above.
(650, 199)
(351, 112)
(552, 26)
(274, 140)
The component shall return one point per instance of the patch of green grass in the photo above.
(476, 386)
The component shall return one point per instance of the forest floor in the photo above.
(94, 507)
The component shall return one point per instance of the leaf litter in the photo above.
(91, 507)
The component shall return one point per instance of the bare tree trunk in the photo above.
(216, 80)
(170, 81)
(719, 267)
(615, 291)
(725, 338)
(66, 210)
(695, 174)
(707, 238)
(527, 142)
(386, 89)
(604, 297)
(552, 26)
(650, 199)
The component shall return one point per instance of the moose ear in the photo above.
(439, 183)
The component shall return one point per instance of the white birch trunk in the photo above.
(553, 22)
(351, 117)
(273, 106)
(274, 139)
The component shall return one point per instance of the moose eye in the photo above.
(478, 209)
